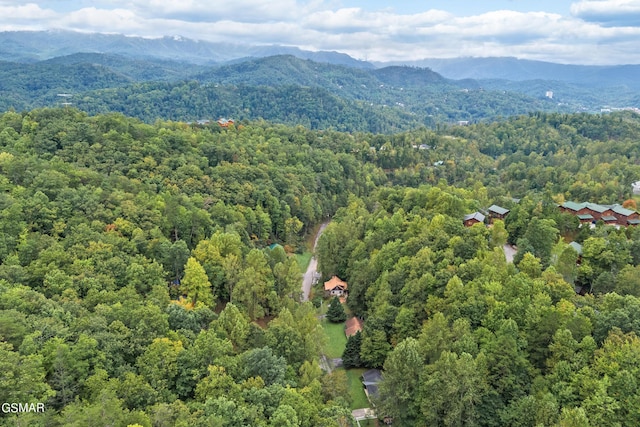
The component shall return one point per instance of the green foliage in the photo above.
(263, 363)
(102, 217)
(401, 383)
(335, 312)
(351, 354)
(195, 284)
(23, 377)
(453, 388)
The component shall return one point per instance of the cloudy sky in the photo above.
(578, 31)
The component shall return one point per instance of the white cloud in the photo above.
(608, 12)
(204, 10)
(356, 19)
(29, 13)
(106, 21)
(583, 37)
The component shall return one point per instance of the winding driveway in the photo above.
(307, 278)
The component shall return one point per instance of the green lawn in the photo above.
(336, 340)
(303, 261)
(356, 390)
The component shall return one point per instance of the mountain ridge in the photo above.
(122, 73)
(33, 46)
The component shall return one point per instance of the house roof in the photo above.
(577, 246)
(372, 376)
(372, 390)
(499, 210)
(573, 206)
(591, 206)
(333, 283)
(622, 211)
(633, 221)
(476, 215)
(352, 326)
(585, 216)
(609, 218)
(596, 208)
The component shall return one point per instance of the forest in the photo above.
(148, 273)
(279, 89)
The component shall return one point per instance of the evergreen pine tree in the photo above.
(336, 313)
(351, 354)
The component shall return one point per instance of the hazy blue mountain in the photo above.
(40, 45)
(183, 79)
(289, 70)
(335, 58)
(31, 46)
(149, 69)
(403, 76)
(23, 86)
(514, 69)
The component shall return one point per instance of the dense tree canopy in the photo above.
(136, 278)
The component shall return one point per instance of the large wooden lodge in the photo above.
(589, 213)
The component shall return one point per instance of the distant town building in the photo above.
(225, 123)
(549, 94)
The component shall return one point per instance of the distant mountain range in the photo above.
(33, 46)
(521, 70)
(181, 79)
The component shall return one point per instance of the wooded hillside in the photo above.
(137, 285)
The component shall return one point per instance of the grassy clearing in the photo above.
(303, 261)
(356, 390)
(336, 340)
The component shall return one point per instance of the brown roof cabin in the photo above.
(335, 287)
(473, 218)
(352, 326)
(610, 214)
(225, 123)
(625, 216)
(497, 212)
(586, 208)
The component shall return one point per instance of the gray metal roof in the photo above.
(499, 210)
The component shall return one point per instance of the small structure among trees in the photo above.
(335, 287)
(370, 380)
(473, 218)
(497, 212)
(352, 326)
(610, 214)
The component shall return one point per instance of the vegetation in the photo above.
(335, 339)
(137, 283)
(280, 89)
(336, 313)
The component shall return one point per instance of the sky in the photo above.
(594, 32)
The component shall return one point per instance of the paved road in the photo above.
(307, 278)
